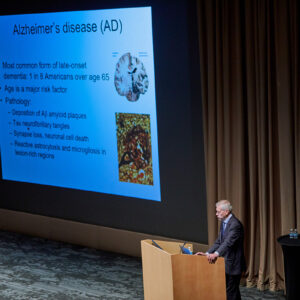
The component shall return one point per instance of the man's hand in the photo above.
(201, 253)
(212, 258)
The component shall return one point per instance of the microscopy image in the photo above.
(131, 78)
(134, 148)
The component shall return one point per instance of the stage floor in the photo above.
(34, 268)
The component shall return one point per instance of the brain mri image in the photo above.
(131, 79)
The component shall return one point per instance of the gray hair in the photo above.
(224, 205)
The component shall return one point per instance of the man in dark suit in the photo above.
(230, 245)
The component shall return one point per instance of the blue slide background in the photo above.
(99, 101)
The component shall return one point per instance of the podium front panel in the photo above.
(195, 279)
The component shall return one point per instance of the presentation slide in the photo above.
(78, 101)
(101, 114)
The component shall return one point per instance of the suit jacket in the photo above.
(231, 247)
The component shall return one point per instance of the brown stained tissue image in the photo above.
(134, 148)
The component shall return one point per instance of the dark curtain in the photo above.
(249, 53)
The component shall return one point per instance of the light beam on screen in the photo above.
(79, 104)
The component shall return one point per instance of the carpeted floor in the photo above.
(34, 268)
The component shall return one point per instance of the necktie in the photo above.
(222, 229)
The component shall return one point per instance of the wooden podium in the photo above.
(170, 275)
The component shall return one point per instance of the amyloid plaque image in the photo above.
(131, 79)
(134, 148)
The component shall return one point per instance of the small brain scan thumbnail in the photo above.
(131, 79)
